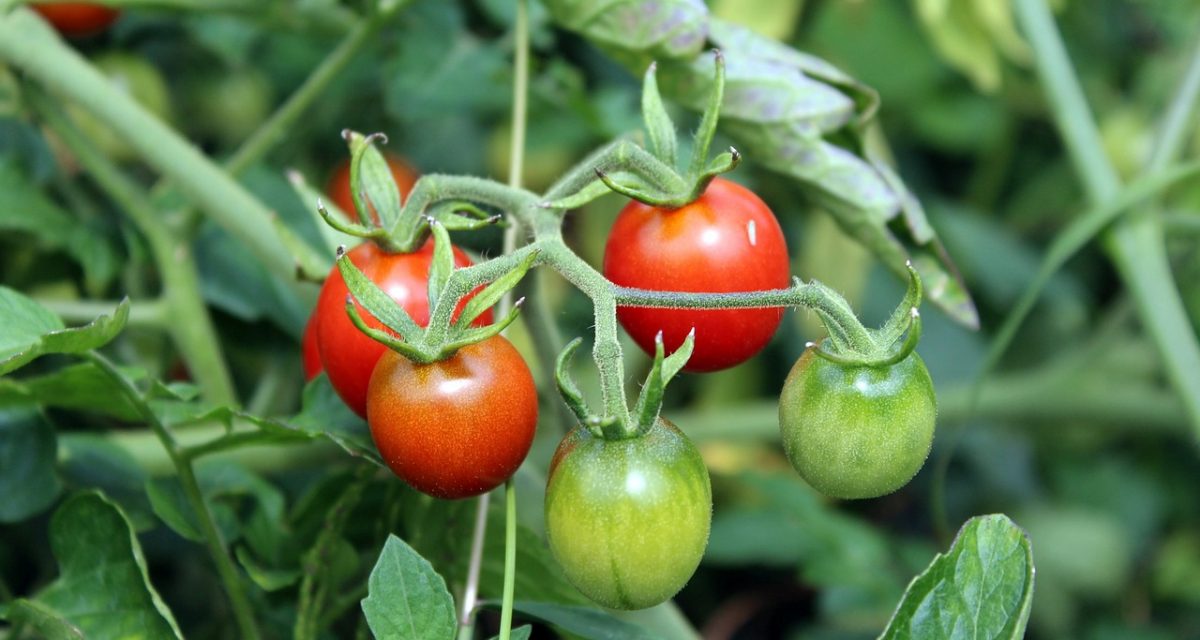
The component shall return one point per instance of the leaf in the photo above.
(406, 597)
(267, 578)
(24, 208)
(29, 483)
(520, 633)
(30, 330)
(586, 622)
(642, 31)
(981, 588)
(103, 590)
(80, 387)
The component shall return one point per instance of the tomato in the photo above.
(228, 105)
(457, 427)
(339, 183)
(349, 355)
(76, 19)
(725, 241)
(309, 351)
(628, 519)
(857, 431)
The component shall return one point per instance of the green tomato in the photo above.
(857, 431)
(628, 519)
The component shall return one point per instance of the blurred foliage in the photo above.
(1102, 473)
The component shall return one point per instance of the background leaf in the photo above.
(407, 598)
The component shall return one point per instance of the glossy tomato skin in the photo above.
(628, 519)
(458, 427)
(309, 352)
(340, 192)
(857, 431)
(349, 355)
(725, 241)
(77, 19)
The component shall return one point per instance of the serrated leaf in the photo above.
(406, 597)
(30, 330)
(981, 588)
(28, 449)
(103, 590)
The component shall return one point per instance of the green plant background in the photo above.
(1081, 432)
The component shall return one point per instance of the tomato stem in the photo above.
(510, 558)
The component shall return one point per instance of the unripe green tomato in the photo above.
(628, 519)
(857, 431)
(229, 106)
(141, 81)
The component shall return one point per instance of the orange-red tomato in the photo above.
(458, 427)
(348, 354)
(339, 184)
(76, 19)
(726, 241)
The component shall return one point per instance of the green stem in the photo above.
(28, 44)
(191, 327)
(191, 489)
(1136, 243)
(142, 313)
(510, 558)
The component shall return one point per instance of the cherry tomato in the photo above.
(628, 519)
(725, 241)
(339, 184)
(309, 351)
(76, 19)
(349, 355)
(458, 427)
(857, 431)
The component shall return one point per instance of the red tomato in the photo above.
(725, 241)
(74, 19)
(339, 184)
(458, 427)
(349, 355)
(309, 351)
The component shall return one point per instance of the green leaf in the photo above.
(585, 622)
(638, 30)
(29, 483)
(80, 387)
(30, 330)
(103, 590)
(520, 633)
(406, 597)
(24, 208)
(981, 588)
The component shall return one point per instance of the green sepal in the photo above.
(375, 301)
(659, 127)
(641, 192)
(649, 402)
(585, 195)
(464, 216)
(566, 384)
(708, 122)
(492, 293)
(386, 339)
(442, 264)
(900, 319)
(475, 335)
(349, 228)
(371, 181)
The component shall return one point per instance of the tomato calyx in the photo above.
(658, 182)
(445, 333)
(645, 412)
(882, 347)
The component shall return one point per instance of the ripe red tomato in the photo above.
(458, 427)
(309, 351)
(339, 183)
(349, 355)
(727, 240)
(75, 19)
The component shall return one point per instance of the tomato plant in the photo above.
(139, 79)
(75, 19)
(857, 431)
(725, 241)
(342, 195)
(458, 427)
(349, 356)
(310, 353)
(628, 518)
